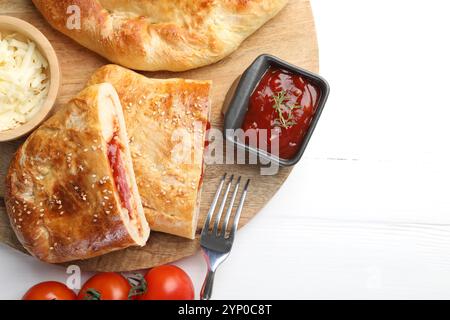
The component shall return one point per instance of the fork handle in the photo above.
(207, 287)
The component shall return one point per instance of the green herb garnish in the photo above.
(282, 120)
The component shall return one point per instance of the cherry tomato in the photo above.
(105, 286)
(167, 283)
(50, 290)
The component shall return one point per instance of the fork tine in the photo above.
(230, 208)
(213, 205)
(239, 211)
(222, 206)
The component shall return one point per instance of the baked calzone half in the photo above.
(71, 190)
(167, 122)
(153, 35)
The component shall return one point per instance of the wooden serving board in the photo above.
(290, 36)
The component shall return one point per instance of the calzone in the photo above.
(71, 190)
(153, 35)
(167, 122)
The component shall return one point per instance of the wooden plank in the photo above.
(290, 35)
(7, 150)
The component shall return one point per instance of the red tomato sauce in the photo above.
(120, 174)
(299, 103)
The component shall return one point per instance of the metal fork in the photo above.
(216, 244)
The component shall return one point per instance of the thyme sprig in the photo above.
(280, 101)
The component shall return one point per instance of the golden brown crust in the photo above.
(159, 115)
(60, 197)
(162, 35)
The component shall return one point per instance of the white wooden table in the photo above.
(367, 212)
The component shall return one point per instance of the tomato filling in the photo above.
(208, 127)
(120, 174)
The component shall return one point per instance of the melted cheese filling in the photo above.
(117, 162)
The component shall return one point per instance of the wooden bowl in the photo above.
(23, 28)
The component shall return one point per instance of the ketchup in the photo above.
(120, 174)
(297, 102)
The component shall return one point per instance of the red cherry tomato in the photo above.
(50, 290)
(167, 283)
(105, 286)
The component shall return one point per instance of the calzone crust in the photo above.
(153, 35)
(166, 121)
(63, 196)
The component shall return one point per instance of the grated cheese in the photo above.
(23, 83)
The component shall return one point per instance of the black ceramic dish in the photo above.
(237, 107)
